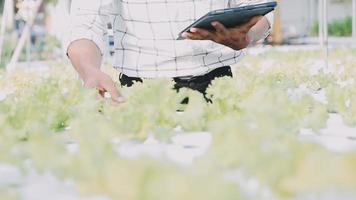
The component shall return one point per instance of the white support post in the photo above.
(354, 20)
(326, 33)
(28, 49)
(10, 14)
(3, 27)
(323, 23)
(323, 29)
(68, 5)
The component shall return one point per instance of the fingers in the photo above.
(220, 33)
(202, 34)
(191, 36)
(235, 38)
(220, 28)
(113, 91)
(104, 85)
(115, 97)
(198, 34)
(205, 34)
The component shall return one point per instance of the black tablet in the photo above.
(231, 17)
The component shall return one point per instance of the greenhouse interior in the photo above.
(178, 100)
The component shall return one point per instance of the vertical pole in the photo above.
(325, 21)
(28, 49)
(10, 14)
(322, 23)
(310, 13)
(354, 20)
(68, 5)
(277, 25)
(3, 28)
(323, 29)
(320, 12)
(28, 42)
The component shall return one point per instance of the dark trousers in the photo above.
(198, 83)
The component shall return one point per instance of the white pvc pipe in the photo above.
(323, 29)
(68, 5)
(10, 14)
(354, 19)
(323, 22)
(325, 10)
(3, 28)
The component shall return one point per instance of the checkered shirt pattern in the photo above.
(145, 33)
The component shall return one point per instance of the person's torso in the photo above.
(145, 33)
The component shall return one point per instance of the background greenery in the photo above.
(338, 27)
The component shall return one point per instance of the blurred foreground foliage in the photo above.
(255, 121)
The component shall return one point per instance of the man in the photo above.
(145, 33)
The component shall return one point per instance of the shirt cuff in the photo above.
(270, 18)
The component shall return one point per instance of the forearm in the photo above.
(85, 57)
(259, 31)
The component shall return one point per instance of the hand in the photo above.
(103, 83)
(236, 38)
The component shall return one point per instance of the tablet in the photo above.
(231, 17)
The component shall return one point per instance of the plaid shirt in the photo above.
(145, 33)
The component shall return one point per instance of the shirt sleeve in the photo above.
(87, 21)
(238, 3)
(269, 16)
